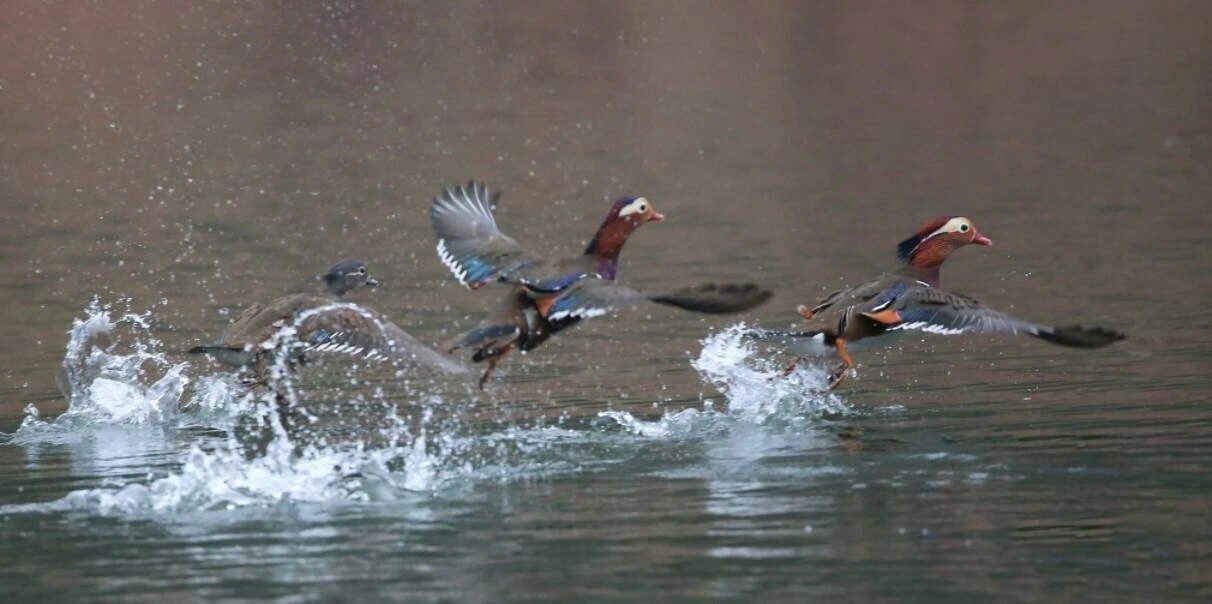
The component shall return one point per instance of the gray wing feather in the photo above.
(594, 297)
(469, 242)
(934, 310)
(937, 311)
(352, 330)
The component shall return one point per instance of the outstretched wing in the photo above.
(594, 297)
(934, 310)
(469, 242)
(352, 330)
(938, 311)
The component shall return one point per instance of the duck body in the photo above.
(548, 296)
(517, 323)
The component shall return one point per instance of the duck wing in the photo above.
(935, 310)
(477, 253)
(350, 329)
(595, 297)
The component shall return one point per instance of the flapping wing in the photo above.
(594, 297)
(352, 330)
(938, 311)
(469, 242)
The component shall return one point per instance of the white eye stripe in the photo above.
(639, 204)
(953, 225)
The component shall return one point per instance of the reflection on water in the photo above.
(192, 160)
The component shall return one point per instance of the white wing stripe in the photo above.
(930, 328)
(583, 313)
(451, 263)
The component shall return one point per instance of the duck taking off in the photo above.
(322, 323)
(549, 295)
(911, 298)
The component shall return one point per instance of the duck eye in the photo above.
(963, 228)
(643, 207)
(361, 270)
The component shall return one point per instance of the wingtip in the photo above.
(714, 298)
(1079, 336)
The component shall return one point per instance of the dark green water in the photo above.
(178, 162)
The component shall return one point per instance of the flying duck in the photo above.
(910, 298)
(544, 295)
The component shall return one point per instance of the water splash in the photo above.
(128, 401)
(755, 389)
(755, 386)
(264, 448)
(113, 372)
(679, 423)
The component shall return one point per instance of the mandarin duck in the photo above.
(547, 296)
(323, 323)
(910, 299)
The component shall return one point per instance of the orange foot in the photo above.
(805, 312)
(838, 375)
(791, 367)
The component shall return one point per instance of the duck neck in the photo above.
(925, 260)
(925, 274)
(335, 288)
(606, 245)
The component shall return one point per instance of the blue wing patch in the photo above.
(467, 267)
(888, 297)
(556, 285)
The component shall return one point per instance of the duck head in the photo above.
(625, 216)
(345, 276)
(930, 246)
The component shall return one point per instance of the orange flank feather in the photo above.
(544, 305)
(885, 317)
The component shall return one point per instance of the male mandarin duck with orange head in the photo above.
(911, 298)
(546, 296)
